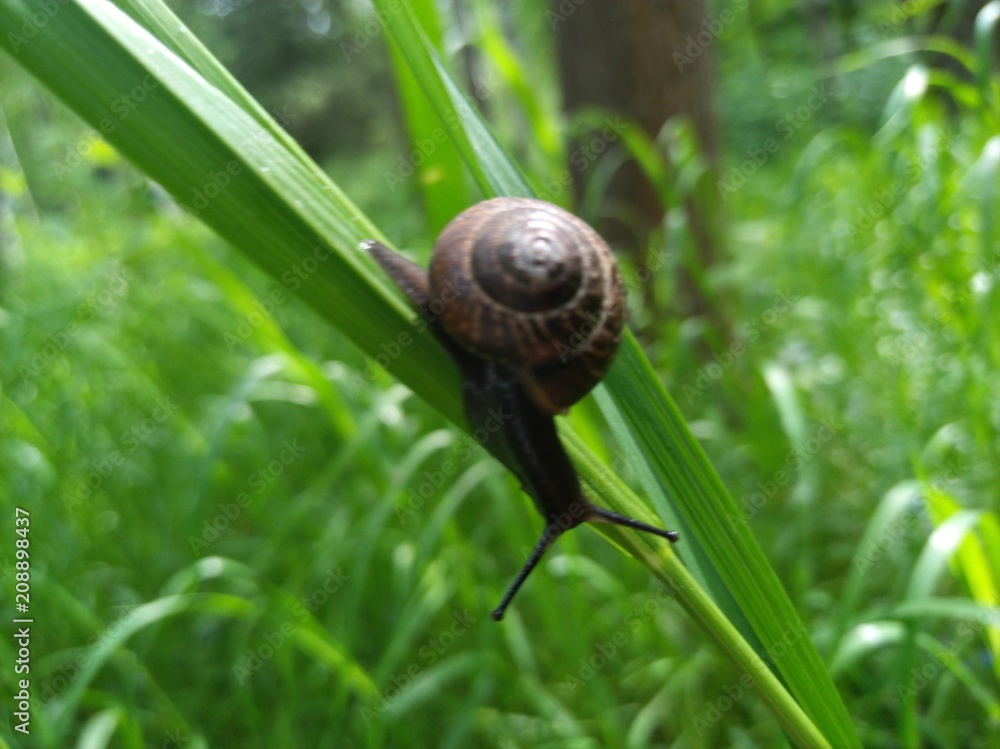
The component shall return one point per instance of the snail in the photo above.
(528, 301)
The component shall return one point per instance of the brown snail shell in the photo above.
(527, 284)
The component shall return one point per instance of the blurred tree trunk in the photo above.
(621, 56)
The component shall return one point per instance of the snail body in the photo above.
(528, 301)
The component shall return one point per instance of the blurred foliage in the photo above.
(156, 416)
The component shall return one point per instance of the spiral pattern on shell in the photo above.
(527, 284)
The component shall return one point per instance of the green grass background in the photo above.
(244, 534)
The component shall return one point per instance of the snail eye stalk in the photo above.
(552, 532)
